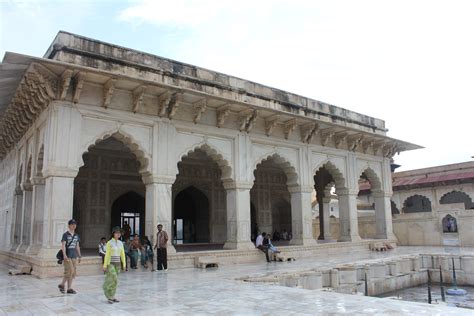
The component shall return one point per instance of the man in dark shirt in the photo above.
(72, 256)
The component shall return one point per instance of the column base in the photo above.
(239, 245)
(303, 242)
(327, 241)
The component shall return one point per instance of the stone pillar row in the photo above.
(45, 208)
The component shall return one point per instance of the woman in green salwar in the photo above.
(113, 261)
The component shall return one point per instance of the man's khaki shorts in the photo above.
(70, 268)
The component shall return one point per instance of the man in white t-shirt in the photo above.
(259, 244)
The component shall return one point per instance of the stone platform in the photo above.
(190, 291)
(90, 265)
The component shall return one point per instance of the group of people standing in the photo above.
(114, 255)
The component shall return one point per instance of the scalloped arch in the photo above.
(127, 140)
(337, 175)
(214, 154)
(284, 164)
(374, 179)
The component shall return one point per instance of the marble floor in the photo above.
(216, 291)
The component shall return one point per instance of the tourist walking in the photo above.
(72, 256)
(161, 243)
(114, 261)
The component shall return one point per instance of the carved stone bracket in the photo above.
(65, 83)
(199, 108)
(78, 85)
(290, 127)
(109, 88)
(222, 113)
(270, 124)
(366, 145)
(354, 142)
(168, 104)
(326, 135)
(37, 89)
(390, 150)
(340, 138)
(247, 120)
(138, 96)
(308, 131)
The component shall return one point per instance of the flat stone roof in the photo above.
(72, 48)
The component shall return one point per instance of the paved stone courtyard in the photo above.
(193, 291)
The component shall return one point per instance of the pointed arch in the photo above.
(128, 141)
(457, 197)
(284, 164)
(337, 175)
(214, 155)
(373, 178)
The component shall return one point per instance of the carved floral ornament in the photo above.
(36, 90)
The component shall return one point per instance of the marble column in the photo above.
(36, 238)
(383, 216)
(301, 216)
(58, 203)
(349, 226)
(327, 216)
(17, 219)
(158, 210)
(27, 217)
(238, 216)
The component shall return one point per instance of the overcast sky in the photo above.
(410, 63)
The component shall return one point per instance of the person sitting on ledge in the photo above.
(259, 243)
(268, 241)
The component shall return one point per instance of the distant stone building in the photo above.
(424, 201)
(106, 134)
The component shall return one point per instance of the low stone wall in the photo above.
(383, 276)
(417, 229)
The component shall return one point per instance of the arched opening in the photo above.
(270, 198)
(450, 224)
(191, 217)
(129, 209)
(416, 204)
(199, 203)
(108, 184)
(394, 207)
(367, 206)
(327, 181)
(457, 197)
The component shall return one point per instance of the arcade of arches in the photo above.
(109, 190)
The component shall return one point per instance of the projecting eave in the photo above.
(31, 83)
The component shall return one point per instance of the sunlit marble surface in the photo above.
(193, 291)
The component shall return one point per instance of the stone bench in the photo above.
(206, 262)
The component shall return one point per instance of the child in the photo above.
(102, 249)
(113, 261)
